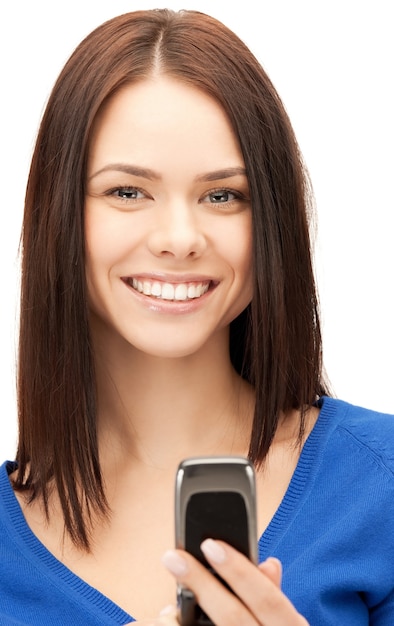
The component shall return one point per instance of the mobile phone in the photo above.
(215, 497)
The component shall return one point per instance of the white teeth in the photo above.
(191, 291)
(156, 290)
(180, 292)
(147, 289)
(168, 291)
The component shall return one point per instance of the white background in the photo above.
(332, 63)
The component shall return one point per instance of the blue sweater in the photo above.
(333, 532)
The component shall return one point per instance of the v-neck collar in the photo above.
(304, 473)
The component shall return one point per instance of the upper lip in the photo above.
(170, 278)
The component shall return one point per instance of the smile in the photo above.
(178, 292)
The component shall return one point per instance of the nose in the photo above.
(177, 232)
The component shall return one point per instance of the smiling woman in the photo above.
(169, 310)
(167, 223)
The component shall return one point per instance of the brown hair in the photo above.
(275, 343)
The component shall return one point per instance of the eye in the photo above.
(222, 196)
(127, 193)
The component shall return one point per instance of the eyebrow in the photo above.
(134, 170)
(144, 172)
(227, 172)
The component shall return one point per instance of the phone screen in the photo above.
(216, 515)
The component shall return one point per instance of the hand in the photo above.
(168, 617)
(259, 600)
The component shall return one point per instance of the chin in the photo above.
(170, 352)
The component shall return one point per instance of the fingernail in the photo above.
(274, 562)
(273, 565)
(213, 551)
(174, 563)
(168, 610)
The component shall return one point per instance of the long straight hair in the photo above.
(275, 343)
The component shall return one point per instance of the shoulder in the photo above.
(370, 431)
(7, 495)
(6, 470)
(9, 508)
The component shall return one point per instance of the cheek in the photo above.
(237, 241)
(101, 242)
(95, 237)
(244, 247)
(106, 240)
(236, 248)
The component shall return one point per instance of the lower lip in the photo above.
(172, 307)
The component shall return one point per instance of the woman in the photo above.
(169, 310)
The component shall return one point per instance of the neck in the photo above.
(157, 411)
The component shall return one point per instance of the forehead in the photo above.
(159, 119)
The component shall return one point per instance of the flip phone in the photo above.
(215, 497)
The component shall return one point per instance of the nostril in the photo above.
(177, 243)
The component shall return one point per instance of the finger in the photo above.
(258, 591)
(221, 606)
(169, 611)
(272, 568)
(167, 617)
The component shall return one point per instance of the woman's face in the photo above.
(168, 219)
